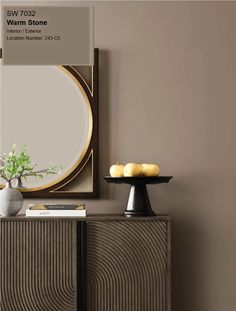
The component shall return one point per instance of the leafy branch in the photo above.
(17, 165)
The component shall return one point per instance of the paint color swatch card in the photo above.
(42, 34)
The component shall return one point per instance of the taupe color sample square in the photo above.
(64, 35)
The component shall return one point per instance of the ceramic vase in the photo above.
(11, 201)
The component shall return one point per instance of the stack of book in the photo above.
(56, 210)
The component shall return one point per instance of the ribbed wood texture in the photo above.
(38, 266)
(128, 266)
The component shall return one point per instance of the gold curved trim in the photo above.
(67, 182)
(86, 145)
(85, 82)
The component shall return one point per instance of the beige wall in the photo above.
(168, 94)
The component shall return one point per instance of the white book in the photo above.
(55, 213)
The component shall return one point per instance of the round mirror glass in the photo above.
(46, 109)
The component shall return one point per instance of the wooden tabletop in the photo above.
(98, 217)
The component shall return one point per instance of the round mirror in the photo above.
(45, 108)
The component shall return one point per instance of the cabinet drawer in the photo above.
(128, 266)
(38, 265)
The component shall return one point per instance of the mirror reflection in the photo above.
(46, 109)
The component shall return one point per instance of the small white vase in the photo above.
(11, 201)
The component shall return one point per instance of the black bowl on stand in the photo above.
(138, 201)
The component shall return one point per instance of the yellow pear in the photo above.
(132, 170)
(117, 170)
(150, 170)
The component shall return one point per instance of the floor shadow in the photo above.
(187, 246)
(180, 200)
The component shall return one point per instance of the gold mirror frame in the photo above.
(89, 156)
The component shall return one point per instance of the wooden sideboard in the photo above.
(99, 263)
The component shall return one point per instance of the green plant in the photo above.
(17, 165)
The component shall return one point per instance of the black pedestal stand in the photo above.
(138, 201)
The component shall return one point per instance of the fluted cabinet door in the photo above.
(38, 265)
(128, 266)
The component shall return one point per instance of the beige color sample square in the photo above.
(47, 35)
